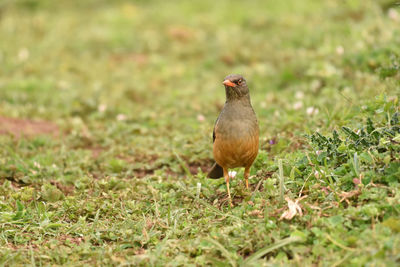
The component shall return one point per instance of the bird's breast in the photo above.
(236, 141)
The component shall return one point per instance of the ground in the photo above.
(106, 117)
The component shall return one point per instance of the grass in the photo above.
(106, 114)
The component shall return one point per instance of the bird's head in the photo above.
(235, 86)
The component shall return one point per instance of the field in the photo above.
(106, 117)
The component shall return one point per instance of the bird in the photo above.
(236, 132)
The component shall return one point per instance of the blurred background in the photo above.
(97, 94)
(144, 77)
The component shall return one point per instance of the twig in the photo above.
(301, 190)
(255, 190)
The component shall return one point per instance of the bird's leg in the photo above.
(246, 176)
(226, 175)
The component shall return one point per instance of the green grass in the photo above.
(128, 84)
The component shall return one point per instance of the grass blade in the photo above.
(260, 253)
(223, 250)
(281, 180)
(356, 164)
(183, 165)
(206, 204)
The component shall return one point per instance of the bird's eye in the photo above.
(239, 82)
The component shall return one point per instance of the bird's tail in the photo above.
(216, 172)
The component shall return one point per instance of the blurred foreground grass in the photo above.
(106, 114)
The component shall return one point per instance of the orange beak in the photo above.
(229, 83)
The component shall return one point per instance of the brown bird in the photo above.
(236, 131)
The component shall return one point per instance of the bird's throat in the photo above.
(236, 97)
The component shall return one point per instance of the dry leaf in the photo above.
(346, 195)
(257, 213)
(294, 208)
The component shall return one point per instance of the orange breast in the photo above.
(232, 153)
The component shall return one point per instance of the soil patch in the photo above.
(204, 166)
(28, 128)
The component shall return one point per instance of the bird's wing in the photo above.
(215, 126)
(214, 135)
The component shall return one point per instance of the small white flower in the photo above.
(317, 174)
(102, 108)
(339, 50)
(393, 14)
(312, 111)
(63, 84)
(315, 85)
(23, 54)
(318, 152)
(121, 117)
(299, 95)
(201, 117)
(298, 105)
(36, 164)
(232, 174)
